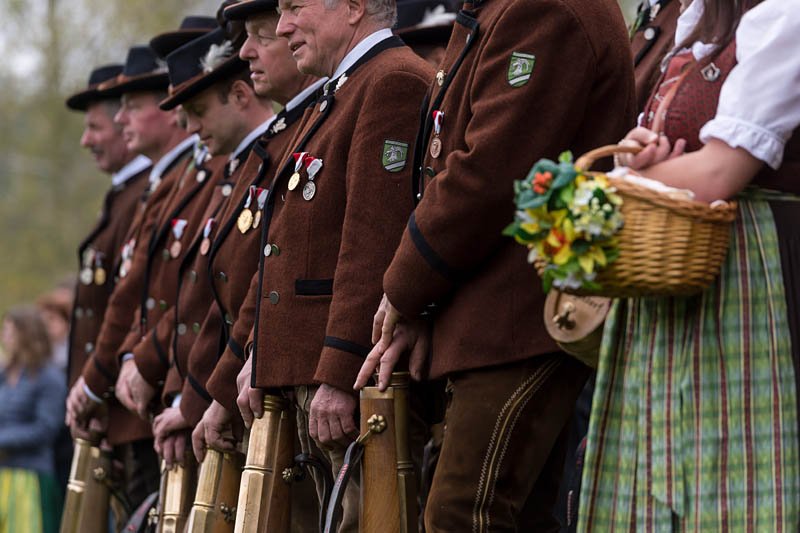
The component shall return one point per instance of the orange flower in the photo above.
(541, 182)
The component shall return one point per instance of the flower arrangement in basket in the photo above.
(594, 234)
(569, 220)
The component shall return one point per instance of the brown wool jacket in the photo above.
(195, 294)
(188, 201)
(651, 42)
(101, 369)
(537, 77)
(105, 241)
(318, 295)
(215, 360)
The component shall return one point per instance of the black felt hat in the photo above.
(199, 64)
(248, 8)
(143, 71)
(80, 101)
(421, 22)
(190, 29)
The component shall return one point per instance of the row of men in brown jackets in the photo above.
(241, 250)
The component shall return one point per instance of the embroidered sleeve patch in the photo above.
(520, 68)
(395, 154)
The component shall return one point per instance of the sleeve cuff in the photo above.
(417, 277)
(761, 143)
(92, 396)
(176, 401)
(126, 357)
(340, 362)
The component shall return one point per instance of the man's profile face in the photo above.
(216, 123)
(272, 68)
(318, 36)
(103, 138)
(144, 124)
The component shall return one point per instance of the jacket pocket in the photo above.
(313, 287)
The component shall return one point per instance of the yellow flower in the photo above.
(563, 255)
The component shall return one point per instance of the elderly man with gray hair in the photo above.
(335, 211)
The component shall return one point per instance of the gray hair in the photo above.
(381, 12)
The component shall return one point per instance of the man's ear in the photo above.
(356, 10)
(240, 94)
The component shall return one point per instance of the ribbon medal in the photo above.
(294, 180)
(245, 220)
(178, 226)
(205, 245)
(313, 166)
(261, 195)
(436, 143)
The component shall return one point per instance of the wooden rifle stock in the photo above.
(88, 490)
(265, 494)
(214, 508)
(176, 495)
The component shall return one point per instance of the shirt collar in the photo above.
(170, 157)
(133, 167)
(252, 136)
(305, 93)
(360, 49)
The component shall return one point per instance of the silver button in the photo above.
(268, 250)
(228, 319)
(162, 304)
(196, 327)
(201, 176)
(226, 190)
(323, 106)
(79, 312)
(181, 329)
(274, 297)
(649, 34)
(90, 313)
(150, 303)
(89, 347)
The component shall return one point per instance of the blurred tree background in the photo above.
(50, 191)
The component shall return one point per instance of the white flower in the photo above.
(570, 282)
(216, 55)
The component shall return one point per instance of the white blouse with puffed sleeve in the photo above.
(759, 106)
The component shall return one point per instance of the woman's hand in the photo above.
(655, 149)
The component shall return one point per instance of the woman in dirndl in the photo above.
(32, 395)
(694, 424)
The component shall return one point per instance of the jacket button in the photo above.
(79, 312)
(89, 313)
(222, 276)
(228, 319)
(165, 254)
(649, 34)
(89, 347)
(162, 304)
(150, 303)
(181, 329)
(196, 327)
(274, 297)
(193, 276)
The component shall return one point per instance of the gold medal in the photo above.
(205, 246)
(100, 276)
(436, 147)
(256, 219)
(245, 220)
(86, 276)
(294, 181)
(175, 249)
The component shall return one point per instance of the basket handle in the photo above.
(586, 161)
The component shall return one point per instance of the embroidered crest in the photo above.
(520, 68)
(395, 154)
(279, 125)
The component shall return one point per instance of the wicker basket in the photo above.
(668, 246)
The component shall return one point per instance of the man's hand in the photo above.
(332, 416)
(123, 389)
(79, 406)
(169, 421)
(172, 448)
(250, 400)
(213, 431)
(91, 429)
(394, 335)
(141, 391)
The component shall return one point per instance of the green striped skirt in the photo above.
(30, 502)
(694, 418)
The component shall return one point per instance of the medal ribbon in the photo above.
(299, 159)
(250, 197)
(207, 228)
(313, 167)
(262, 197)
(178, 225)
(438, 116)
